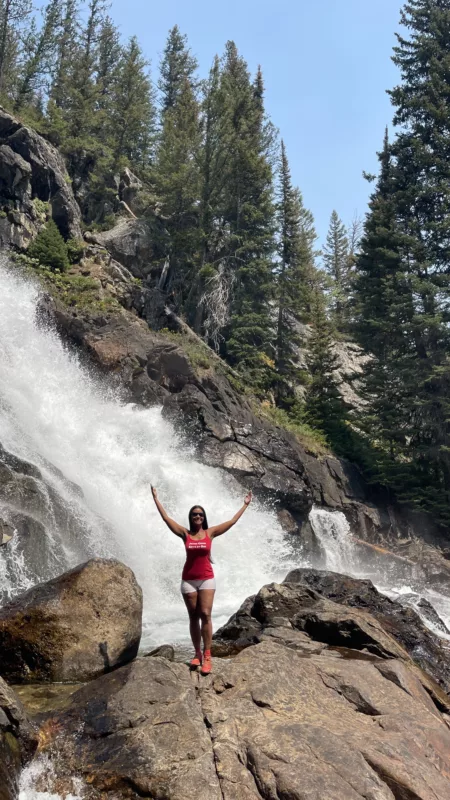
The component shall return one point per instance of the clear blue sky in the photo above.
(326, 65)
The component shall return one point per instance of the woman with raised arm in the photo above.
(197, 580)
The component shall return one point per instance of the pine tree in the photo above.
(384, 313)
(85, 91)
(13, 14)
(133, 115)
(336, 259)
(249, 217)
(42, 56)
(178, 65)
(294, 274)
(325, 408)
(49, 248)
(178, 184)
(208, 303)
(67, 48)
(108, 64)
(421, 159)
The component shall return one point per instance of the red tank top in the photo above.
(198, 562)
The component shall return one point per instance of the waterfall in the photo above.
(333, 534)
(398, 580)
(74, 428)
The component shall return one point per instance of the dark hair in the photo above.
(205, 521)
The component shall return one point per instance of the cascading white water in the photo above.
(54, 414)
(39, 774)
(333, 533)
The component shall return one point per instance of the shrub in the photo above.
(75, 249)
(49, 248)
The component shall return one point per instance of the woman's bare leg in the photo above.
(205, 604)
(194, 619)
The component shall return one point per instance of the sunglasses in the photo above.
(198, 515)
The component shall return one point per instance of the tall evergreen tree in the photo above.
(178, 183)
(325, 408)
(210, 295)
(384, 312)
(67, 48)
(13, 14)
(294, 279)
(133, 115)
(178, 65)
(249, 216)
(42, 56)
(109, 57)
(85, 91)
(336, 260)
(421, 200)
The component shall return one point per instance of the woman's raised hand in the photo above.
(248, 499)
(154, 492)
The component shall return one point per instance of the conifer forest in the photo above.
(236, 254)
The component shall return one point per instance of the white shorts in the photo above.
(197, 586)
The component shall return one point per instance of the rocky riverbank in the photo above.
(310, 697)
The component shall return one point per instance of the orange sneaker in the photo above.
(207, 665)
(196, 661)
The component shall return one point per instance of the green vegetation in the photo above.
(49, 248)
(311, 438)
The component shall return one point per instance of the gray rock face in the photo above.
(18, 741)
(133, 243)
(31, 168)
(75, 627)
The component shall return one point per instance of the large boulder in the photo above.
(32, 169)
(324, 728)
(403, 623)
(283, 608)
(18, 741)
(73, 628)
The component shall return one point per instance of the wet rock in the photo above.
(18, 741)
(73, 628)
(404, 624)
(139, 732)
(430, 614)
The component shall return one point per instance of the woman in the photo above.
(197, 580)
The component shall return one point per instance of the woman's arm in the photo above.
(217, 530)
(177, 529)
